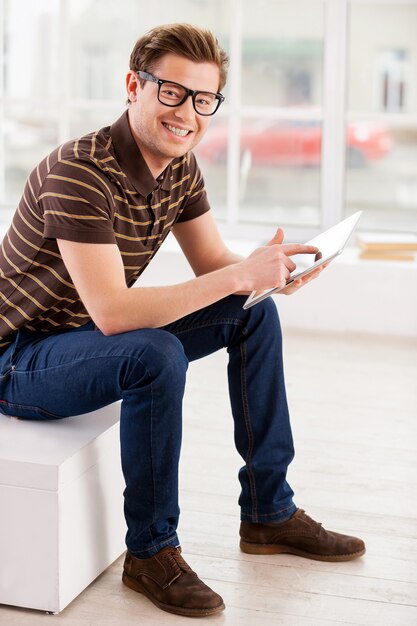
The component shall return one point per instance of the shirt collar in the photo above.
(132, 162)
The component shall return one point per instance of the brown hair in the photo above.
(191, 42)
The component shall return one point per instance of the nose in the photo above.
(186, 110)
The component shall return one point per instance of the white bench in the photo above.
(61, 506)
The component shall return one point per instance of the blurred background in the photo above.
(320, 117)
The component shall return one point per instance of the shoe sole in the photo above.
(177, 610)
(265, 548)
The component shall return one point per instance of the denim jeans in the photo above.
(71, 372)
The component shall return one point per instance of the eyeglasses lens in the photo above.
(172, 94)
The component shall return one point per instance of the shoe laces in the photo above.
(174, 557)
(313, 522)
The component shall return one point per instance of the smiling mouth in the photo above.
(179, 132)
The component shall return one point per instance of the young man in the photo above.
(74, 337)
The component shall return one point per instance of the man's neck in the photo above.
(156, 164)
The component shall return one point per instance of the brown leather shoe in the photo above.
(299, 535)
(171, 584)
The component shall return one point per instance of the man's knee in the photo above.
(160, 351)
(266, 312)
(149, 354)
(268, 308)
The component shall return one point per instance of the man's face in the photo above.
(158, 129)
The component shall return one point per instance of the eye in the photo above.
(205, 99)
(172, 92)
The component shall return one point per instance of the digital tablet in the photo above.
(330, 244)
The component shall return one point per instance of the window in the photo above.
(271, 137)
(28, 91)
(381, 132)
(320, 112)
(393, 74)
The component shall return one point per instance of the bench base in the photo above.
(65, 526)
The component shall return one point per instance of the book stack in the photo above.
(387, 246)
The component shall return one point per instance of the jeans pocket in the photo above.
(6, 363)
(8, 357)
(24, 411)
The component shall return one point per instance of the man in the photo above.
(74, 337)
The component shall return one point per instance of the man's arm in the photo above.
(206, 251)
(98, 276)
(203, 245)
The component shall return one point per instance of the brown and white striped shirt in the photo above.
(96, 189)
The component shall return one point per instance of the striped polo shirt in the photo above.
(96, 189)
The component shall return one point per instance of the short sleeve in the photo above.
(197, 202)
(77, 203)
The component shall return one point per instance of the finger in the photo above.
(312, 275)
(295, 286)
(299, 248)
(318, 270)
(278, 238)
(300, 282)
(289, 263)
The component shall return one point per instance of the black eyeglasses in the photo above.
(173, 95)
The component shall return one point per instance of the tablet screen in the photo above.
(330, 244)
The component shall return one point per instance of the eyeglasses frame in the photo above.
(189, 92)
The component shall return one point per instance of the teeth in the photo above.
(177, 131)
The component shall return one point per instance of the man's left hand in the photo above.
(297, 284)
(300, 282)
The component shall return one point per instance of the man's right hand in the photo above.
(270, 266)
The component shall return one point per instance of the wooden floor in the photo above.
(354, 407)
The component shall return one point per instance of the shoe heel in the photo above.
(259, 548)
(129, 582)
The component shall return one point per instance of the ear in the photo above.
(132, 84)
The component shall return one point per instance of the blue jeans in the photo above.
(71, 372)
